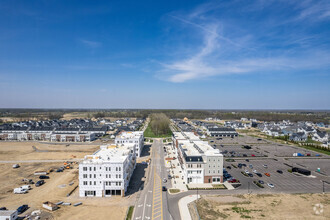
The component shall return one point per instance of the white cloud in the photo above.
(91, 44)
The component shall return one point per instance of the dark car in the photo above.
(59, 170)
(261, 182)
(247, 160)
(164, 188)
(259, 174)
(3, 208)
(244, 155)
(250, 174)
(39, 183)
(279, 171)
(229, 167)
(243, 164)
(43, 177)
(22, 208)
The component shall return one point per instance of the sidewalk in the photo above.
(175, 171)
(228, 185)
(183, 206)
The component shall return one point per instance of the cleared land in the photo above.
(57, 186)
(267, 206)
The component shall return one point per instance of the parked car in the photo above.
(16, 166)
(254, 171)
(250, 174)
(233, 181)
(259, 174)
(267, 174)
(270, 185)
(164, 188)
(246, 171)
(265, 165)
(22, 209)
(39, 183)
(164, 180)
(228, 167)
(20, 190)
(279, 171)
(261, 182)
(43, 177)
(59, 170)
(247, 160)
(252, 155)
(244, 155)
(251, 166)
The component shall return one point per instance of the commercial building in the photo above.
(200, 162)
(108, 171)
(135, 137)
(221, 132)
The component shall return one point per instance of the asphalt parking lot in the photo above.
(313, 164)
(286, 182)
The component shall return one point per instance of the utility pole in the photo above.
(248, 187)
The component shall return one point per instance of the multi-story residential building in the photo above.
(108, 171)
(200, 162)
(135, 137)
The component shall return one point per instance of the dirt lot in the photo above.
(57, 187)
(43, 151)
(276, 206)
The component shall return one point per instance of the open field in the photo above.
(56, 187)
(43, 151)
(266, 206)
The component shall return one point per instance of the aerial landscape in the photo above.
(165, 110)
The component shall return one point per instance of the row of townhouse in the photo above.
(238, 125)
(52, 134)
(135, 137)
(108, 171)
(296, 131)
(200, 162)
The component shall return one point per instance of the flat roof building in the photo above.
(135, 137)
(108, 171)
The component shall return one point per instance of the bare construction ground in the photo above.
(40, 158)
(267, 206)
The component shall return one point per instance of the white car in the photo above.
(255, 171)
(164, 180)
(247, 172)
(265, 166)
(270, 185)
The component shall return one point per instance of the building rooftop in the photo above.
(130, 135)
(109, 154)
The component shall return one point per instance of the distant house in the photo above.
(320, 136)
(300, 136)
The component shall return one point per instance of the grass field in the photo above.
(148, 133)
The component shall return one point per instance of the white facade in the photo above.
(199, 161)
(108, 171)
(8, 214)
(134, 137)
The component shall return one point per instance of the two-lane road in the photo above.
(152, 203)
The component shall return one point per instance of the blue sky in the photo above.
(165, 54)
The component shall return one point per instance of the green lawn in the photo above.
(130, 213)
(148, 133)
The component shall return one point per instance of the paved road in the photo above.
(152, 203)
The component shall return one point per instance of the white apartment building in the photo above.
(135, 137)
(200, 162)
(107, 172)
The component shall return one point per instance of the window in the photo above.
(116, 168)
(84, 168)
(106, 183)
(90, 175)
(94, 175)
(119, 175)
(90, 168)
(85, 176)
(85, 183)
(94, 168)
(94, 182)
(106, 169)
(90, 182)
(119, 169)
